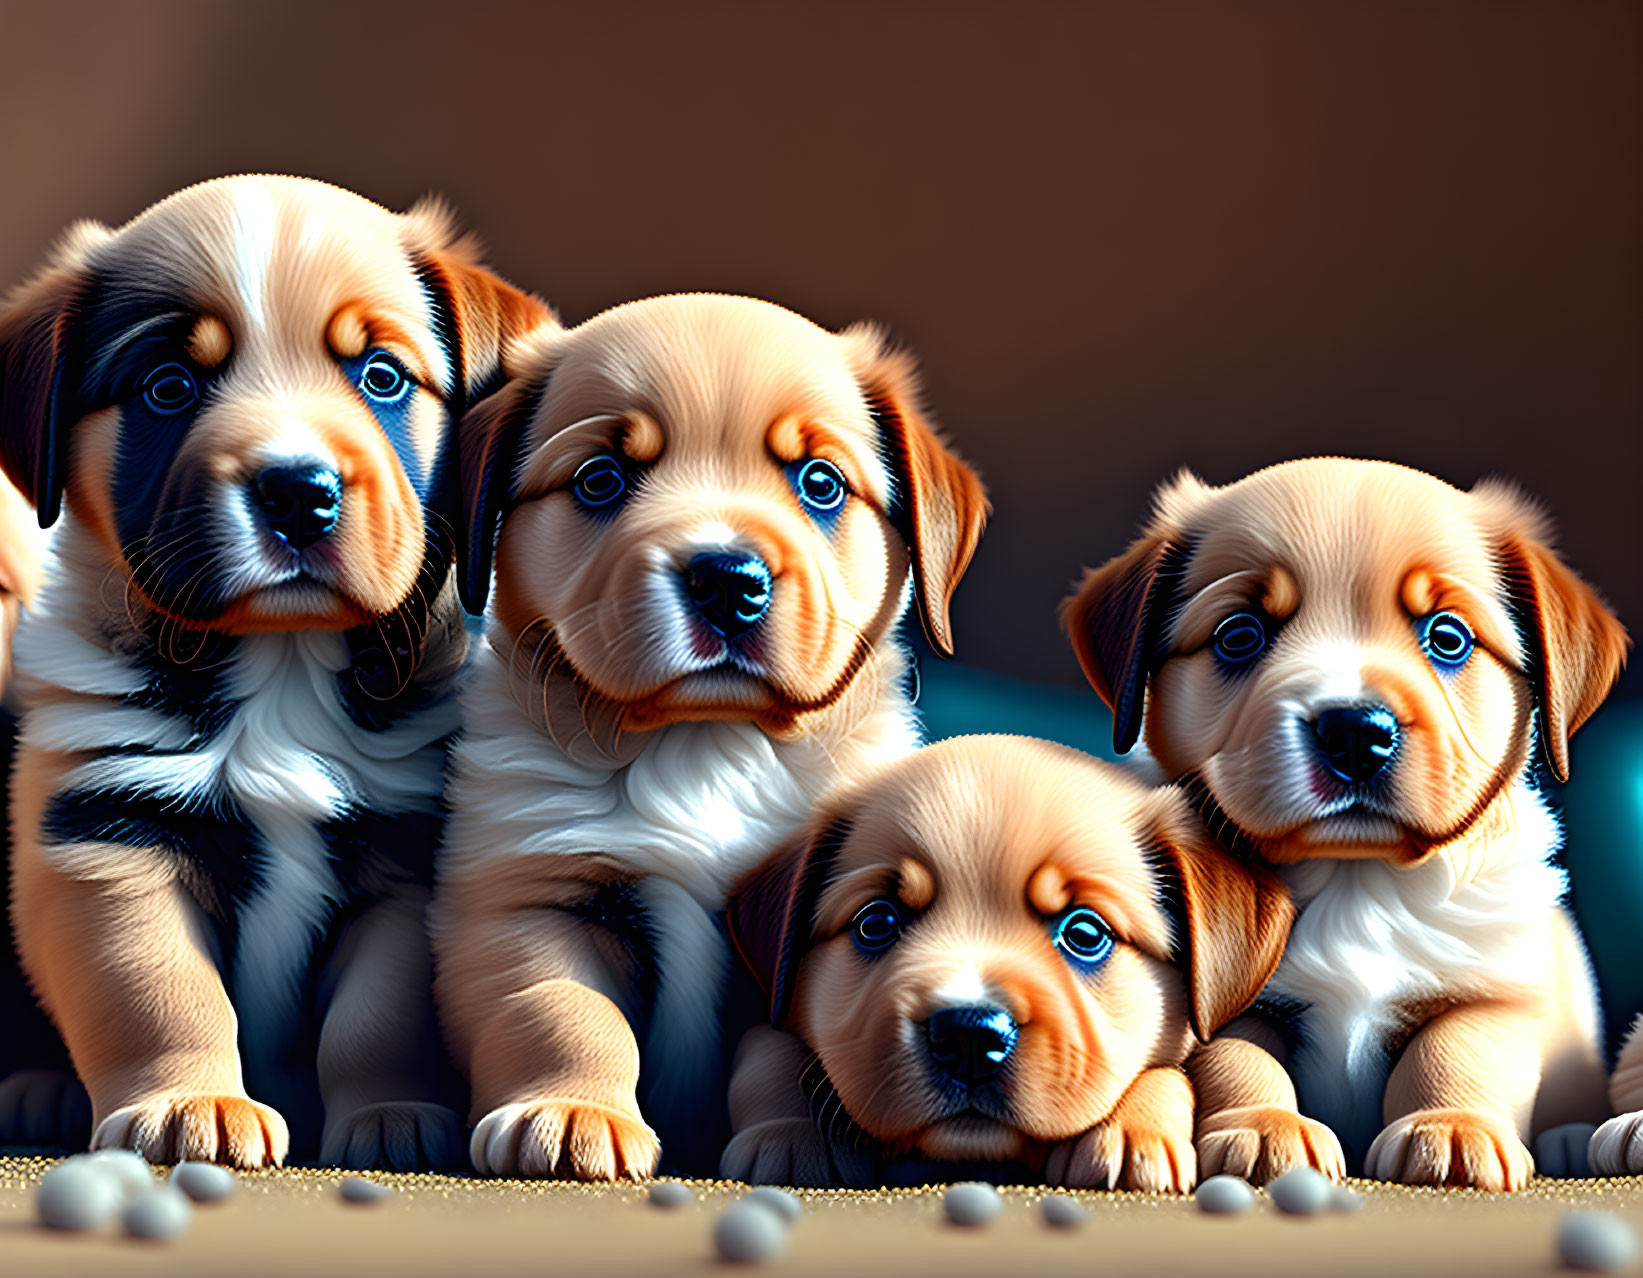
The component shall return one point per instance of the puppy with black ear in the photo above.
(997, 952)
(713, 513)
(238, 676)
(1356, 669)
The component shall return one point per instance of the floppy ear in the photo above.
(1232, 918)
(939, 506)
(481, 319)
(770, 912)
(1576, 646)
(489, 441)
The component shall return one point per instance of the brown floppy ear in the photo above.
(1575, 645)
(1231, 918)
(940, 506)
(771, 911)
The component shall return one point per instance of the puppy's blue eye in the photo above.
(1446, 639)
(1240, 638)
(820, 486)
(170, 389)
(1083, 936)
(599, 481)
(876, 927)
(383, 379)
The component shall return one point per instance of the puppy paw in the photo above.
(1455, 1147)
(401, 1136)
(791, 1151)
(46, 1108)
(1113, 1155)
(1616, 1148)
(1561, 1151)
(233, 1130)
(1259, 1143)
(564, 1140)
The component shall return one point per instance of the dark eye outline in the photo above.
(402, 382)
(1449, 625)
(877, 943)
(1238, 624)
(1077, 952)
(819, 467)
(602, 466)
(167, 373)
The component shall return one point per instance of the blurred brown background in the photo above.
(1124, 238)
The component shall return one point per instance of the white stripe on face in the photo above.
(256, 229)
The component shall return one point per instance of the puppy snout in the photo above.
(299, 503)
(729, 590)
(1357, 742)
(970, 1044)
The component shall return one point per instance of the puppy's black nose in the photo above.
(730, 592)
(970, 1044)
(1357, 742)
(298, 503)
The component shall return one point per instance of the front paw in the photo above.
(44, 1107)
(401, 1136)
(1616, 1148)
(1456, 1147)
(791, 1151)
(564, 1140)
(233, 1130)
(1259, 1143)
(1116, 1155)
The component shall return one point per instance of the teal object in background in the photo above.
(1603, 801)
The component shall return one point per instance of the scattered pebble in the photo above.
(971, 1204)
(1061, 1212)
(749, 1232)
(1595, 1240)
(1302, 1192)
(204, 1182)
(1343, 1199)
(1224, 1196)
(778, 1200)
(356, 1189)
(161, 1214)
(129, 1169)
(78, 1194)
(670, 1194)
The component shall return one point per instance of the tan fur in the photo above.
(1348, 556)
(1006, 833)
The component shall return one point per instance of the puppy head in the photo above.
(711, 506)
(243, 393)
(988, 941)
(1350, 655)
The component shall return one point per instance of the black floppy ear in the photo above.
(771, 911)
(490, 439)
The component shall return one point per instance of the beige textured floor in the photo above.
(292, 1224)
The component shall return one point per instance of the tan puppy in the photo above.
(715, 514)
(997, 950)
(238, 675)
(1352, 664)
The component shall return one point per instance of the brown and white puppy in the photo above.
(1355, 667)
(714, 514)
(996, 951)
(238, 675)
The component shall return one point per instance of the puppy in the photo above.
(1355, 668)
(1616, 1148)
(713, 515)
(238, 674)
(996, 950)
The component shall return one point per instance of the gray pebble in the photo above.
(129, 1169)
(204, 1182)
(78, 1194)
(1595, 1240)
(971, 1204)
(161, 1214)
(356, 1189)
(670, 1194)
(749, 1232)
(1343, 1199)
(1063, 1213)
(778, 1200)
(1302, 1192)
(1224, 1196)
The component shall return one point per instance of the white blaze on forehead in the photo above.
(256, 229)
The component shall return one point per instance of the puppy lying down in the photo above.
(995, 951)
